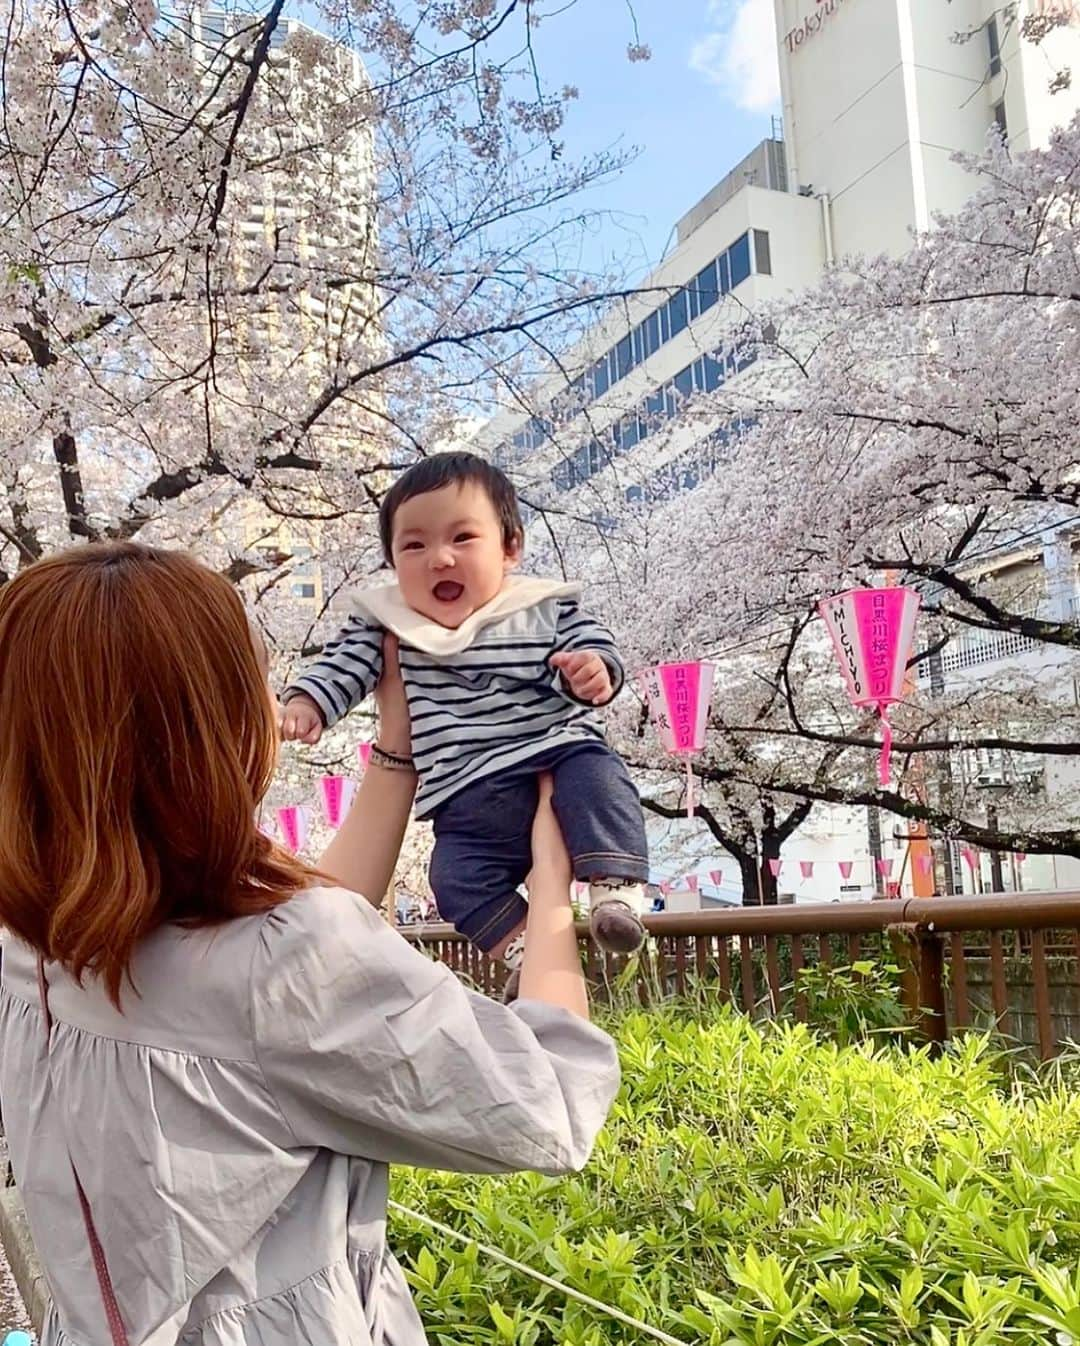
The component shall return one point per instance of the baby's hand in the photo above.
(587, 676)
(300, 719)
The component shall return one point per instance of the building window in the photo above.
(651, 328)
(624, 359)
(706, 292)
(305, 590)
(714, 374)
(1001, 119)
(762, 253)
(739, 253)
(677, 314)
(993, 41)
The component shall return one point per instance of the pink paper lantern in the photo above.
(884, 868)
(925, 864)
(971, 857)
(665, 887)
(363, 752)
(293, 825)
(716, 876)
(806, 868)
(775, 867)
(846, 866)
(337, 796)
(678, 698)
(692, 882)
(1021, 856)
(872, 631)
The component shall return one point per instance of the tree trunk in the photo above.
(769, 888)
(759, 884)
(748, 871)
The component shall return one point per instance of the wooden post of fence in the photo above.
(933, 1024)
(919, 952)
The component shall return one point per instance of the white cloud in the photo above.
(738, 54)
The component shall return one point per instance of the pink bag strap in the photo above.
(108, 1295)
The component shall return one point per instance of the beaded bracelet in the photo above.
(390, 761)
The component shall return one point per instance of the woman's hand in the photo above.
(395, 734)
(551, 860)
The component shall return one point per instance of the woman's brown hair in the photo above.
(137, 738)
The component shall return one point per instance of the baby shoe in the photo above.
(615, 916)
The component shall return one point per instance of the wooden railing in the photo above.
(1009, 961)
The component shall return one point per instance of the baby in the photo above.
(501, 675)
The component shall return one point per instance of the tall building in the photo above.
(878, 96)
(313, 203)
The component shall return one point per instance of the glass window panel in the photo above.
(637, 337)
(624, 359)
(762, 253)
(600, 377)
(677, 312)
(684, 381)
(652, 333)
(739, 256)
(705, 285)
(714, 373)
(723, 272)
(993, 41)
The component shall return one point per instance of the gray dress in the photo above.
(232, 1129)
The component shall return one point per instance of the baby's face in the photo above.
(449, 553)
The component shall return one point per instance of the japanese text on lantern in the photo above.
(879, 665)
(682, 718)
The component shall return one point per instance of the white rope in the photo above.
(567, 1290)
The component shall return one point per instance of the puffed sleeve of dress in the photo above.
(370, 1049)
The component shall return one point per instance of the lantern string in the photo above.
(885, 756)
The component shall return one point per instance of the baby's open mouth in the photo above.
(448, 591)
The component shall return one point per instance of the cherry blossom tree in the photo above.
(247, 267)
(910, 420)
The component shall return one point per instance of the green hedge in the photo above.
(770, 1186)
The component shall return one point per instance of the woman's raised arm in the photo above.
(364, 852)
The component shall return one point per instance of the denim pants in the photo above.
(483, 836)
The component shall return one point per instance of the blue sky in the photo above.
(693, 110)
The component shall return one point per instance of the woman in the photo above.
(209, 1053)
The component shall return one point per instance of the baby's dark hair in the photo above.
(452, 469)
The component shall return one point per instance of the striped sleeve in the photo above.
(345, 673)
(575, 630)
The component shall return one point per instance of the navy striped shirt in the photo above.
(494, 705)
